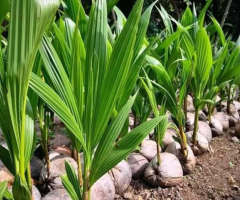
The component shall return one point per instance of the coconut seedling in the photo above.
(158, 172)
(203, 64)
(44, 124)
(224, 70)
(161, 128)
(16, 113)
(85, 98)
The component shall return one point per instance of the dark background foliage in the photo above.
(176, 7)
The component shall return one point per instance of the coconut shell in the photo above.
(202, 116)
(168, 137)
(188, 163)
(36, 167)
(149, 149)
(168, 173)
(121, 175)
(216, 127)
(57, 169)
(190, 121)
(202, 143)
(103, 189)
(190, 106)
(138, 164)
(232, 109)
(223, 118)
(205, 130)
(59, 194)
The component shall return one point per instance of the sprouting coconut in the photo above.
(201, 146)
(53, 181)
(36, 167)
(188, 163)
(121, 175)
(223, 118)
(103, 189)
(168, 173)
(138, 164)
(149, 149)
(216, 127)
(205, 130)
(168, 137)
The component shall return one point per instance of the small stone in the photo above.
(127, 196)
(235, 139)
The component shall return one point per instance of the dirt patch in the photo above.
(217, 176)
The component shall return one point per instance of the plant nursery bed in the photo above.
(216, 176)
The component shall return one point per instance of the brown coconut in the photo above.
(205, 130)
(59, 194)
(103, 189)
(168, 137)
(36, 167)
(121, 175)
(57, 169)
(190, 106)
(138, 164)
(216, 127)
(190, 121)
(149, 149)
(168, 173)
(223, 118)
(202, 116)
(202, 143)
(188, 163)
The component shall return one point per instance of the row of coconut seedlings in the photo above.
(142, 164)
(173, 165)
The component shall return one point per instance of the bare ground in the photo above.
(216, 177)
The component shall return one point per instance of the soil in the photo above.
(216, 177)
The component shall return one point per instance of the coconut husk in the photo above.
(168, 173)
(36, 167)
(205, 130)
(202, 145)
(59, 194)
(188, 163)
(57, 169)
(103, 189)
(216, 127)
(121, 175)
(138, 164)
(223, 118)
(168, 137)
(149, 149)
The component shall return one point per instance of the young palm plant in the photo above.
(85, 95)
(173, 103)
(16, 113)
